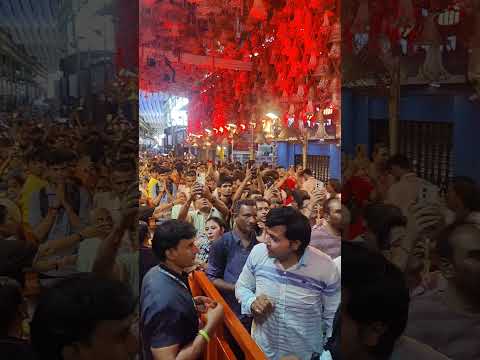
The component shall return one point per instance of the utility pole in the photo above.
(393, 105)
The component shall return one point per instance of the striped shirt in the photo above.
(324, 241)
(305, 296)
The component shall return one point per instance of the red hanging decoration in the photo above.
(258, 12)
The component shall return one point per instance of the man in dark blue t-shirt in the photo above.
(169, 314)
(229, 254)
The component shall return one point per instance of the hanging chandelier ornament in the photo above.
(430, 34)
(323, 68)
(258, 11)
(432, 69)
(292, 47)
(361, 24)
(406, 16)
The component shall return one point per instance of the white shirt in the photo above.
(305, 296)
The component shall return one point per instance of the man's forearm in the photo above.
(105, 259)
(72, 216)
(239, 191)
(194, 350)
(42, 230)
(224, 285)
(261, 184)
(220, 206)
(163, 208)
(182, 215)
(65, 242)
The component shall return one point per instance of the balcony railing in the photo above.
(218, 348)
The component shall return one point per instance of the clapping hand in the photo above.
(262, 307)
(203, 303)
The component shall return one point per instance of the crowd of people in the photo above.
(269, 240)
(69, 259)
(430, 296)
(272, 241)
(111, 234)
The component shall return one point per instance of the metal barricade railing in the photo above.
(218, 347)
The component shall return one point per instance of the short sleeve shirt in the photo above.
(225, 261)
(168, 314)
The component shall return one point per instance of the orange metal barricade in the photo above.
(218, 348)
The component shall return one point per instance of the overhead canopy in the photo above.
(239, 60)
(181, 42)
(34, 23)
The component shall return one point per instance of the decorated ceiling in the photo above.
(239, 60)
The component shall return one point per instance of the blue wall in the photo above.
(286, 154)
(464, 114)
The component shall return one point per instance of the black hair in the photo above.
(179, 167)
(467, 190)
(3, 214)
(399, 160)
(239, 203)
(191, 173)
(70, 312)
(60, 156)
(300, 196)
(298, 226)
(335, 184)
(163, 170)
(17, 178)
(380, 219)
(271, 174)
(11, 295)
(142, 232)
(238, 175)
(377, 292)
(218, 221)
(307, 172)
(169, 234)
(225, 180)
(444, 242)
(262, 199)
(125, 165)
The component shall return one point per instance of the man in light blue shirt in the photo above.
(291, 289)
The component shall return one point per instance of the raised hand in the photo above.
(318, 196)
(248, 173)
(423, 219)
(207, 193)
(129, 205)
